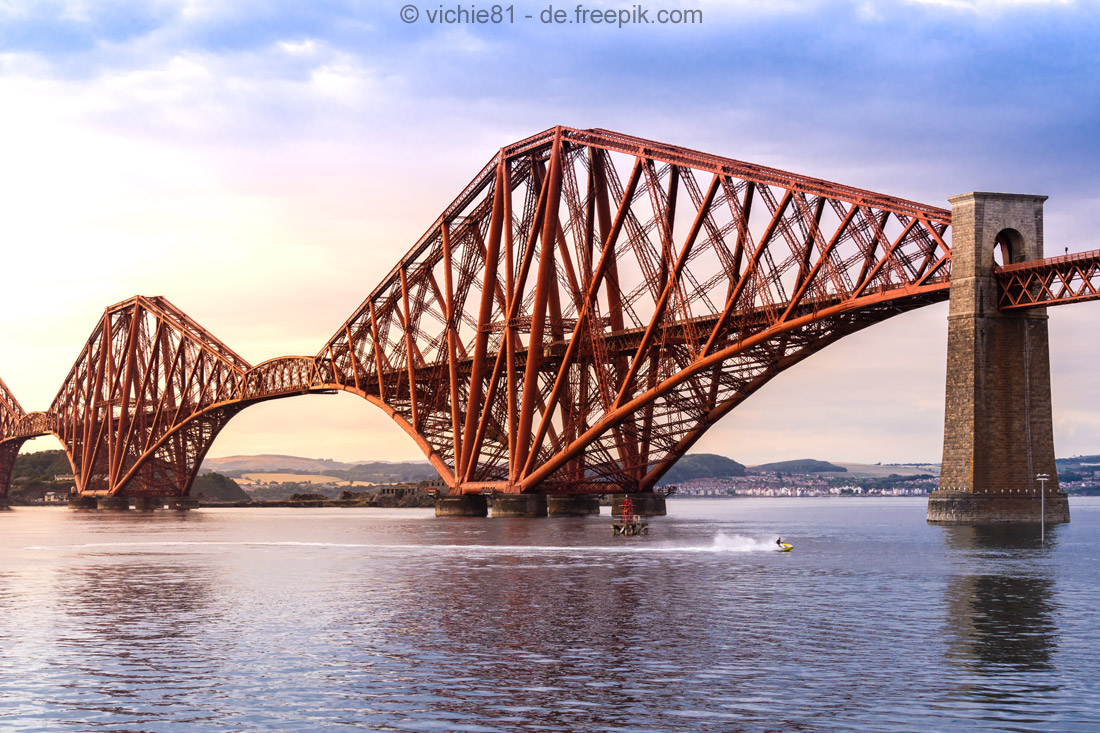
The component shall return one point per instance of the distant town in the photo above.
(1077, 475)
(778, 483)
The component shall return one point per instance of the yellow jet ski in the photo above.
(781, 546)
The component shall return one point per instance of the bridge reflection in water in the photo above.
(1002, 626)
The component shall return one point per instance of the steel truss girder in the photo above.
(1052, 281)
(9, 449)
(13, 425)
(128, 412)
(572, 321)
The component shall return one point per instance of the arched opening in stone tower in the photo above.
(1008, 247)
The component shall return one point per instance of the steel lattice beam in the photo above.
(1051, 281)
(11, 415)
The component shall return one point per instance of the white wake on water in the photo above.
(740, 543)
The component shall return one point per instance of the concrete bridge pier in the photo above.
(462, 505)
(119, 503)
(646, 504)
(82, 502)
(998, 431)
(519, 505)
(148, 503)
(572, 505)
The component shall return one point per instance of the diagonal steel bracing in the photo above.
(1052, 281)
(11, 440)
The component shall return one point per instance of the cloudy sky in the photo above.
(264, 164)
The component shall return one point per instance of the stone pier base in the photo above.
(82, 502)
(963, 507)
(182, 503)
(149, 503)
(461, 505)
(998, 432)
(119, 503)
(645, 504)
(571, 505)
(519, 505)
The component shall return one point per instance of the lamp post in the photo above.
(1042, 478)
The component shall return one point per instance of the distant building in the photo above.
(405, 489)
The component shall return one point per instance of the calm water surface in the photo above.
(318, 619)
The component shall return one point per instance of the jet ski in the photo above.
(783, 547)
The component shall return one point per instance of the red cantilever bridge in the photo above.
(571, 324)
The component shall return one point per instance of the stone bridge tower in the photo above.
(998, 432)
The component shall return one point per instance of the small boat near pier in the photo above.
(629, 524)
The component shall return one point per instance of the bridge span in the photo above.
(584, 310)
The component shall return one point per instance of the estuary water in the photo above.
(338, 619)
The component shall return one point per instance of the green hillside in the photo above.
(41, 466)
(1070, 469)
(214, 487)
(32, 475)
(382, 473)
(702, 465)
(376, 472)
(801, 465)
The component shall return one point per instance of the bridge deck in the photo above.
(1051, 281)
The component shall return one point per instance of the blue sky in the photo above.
(263, 164)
